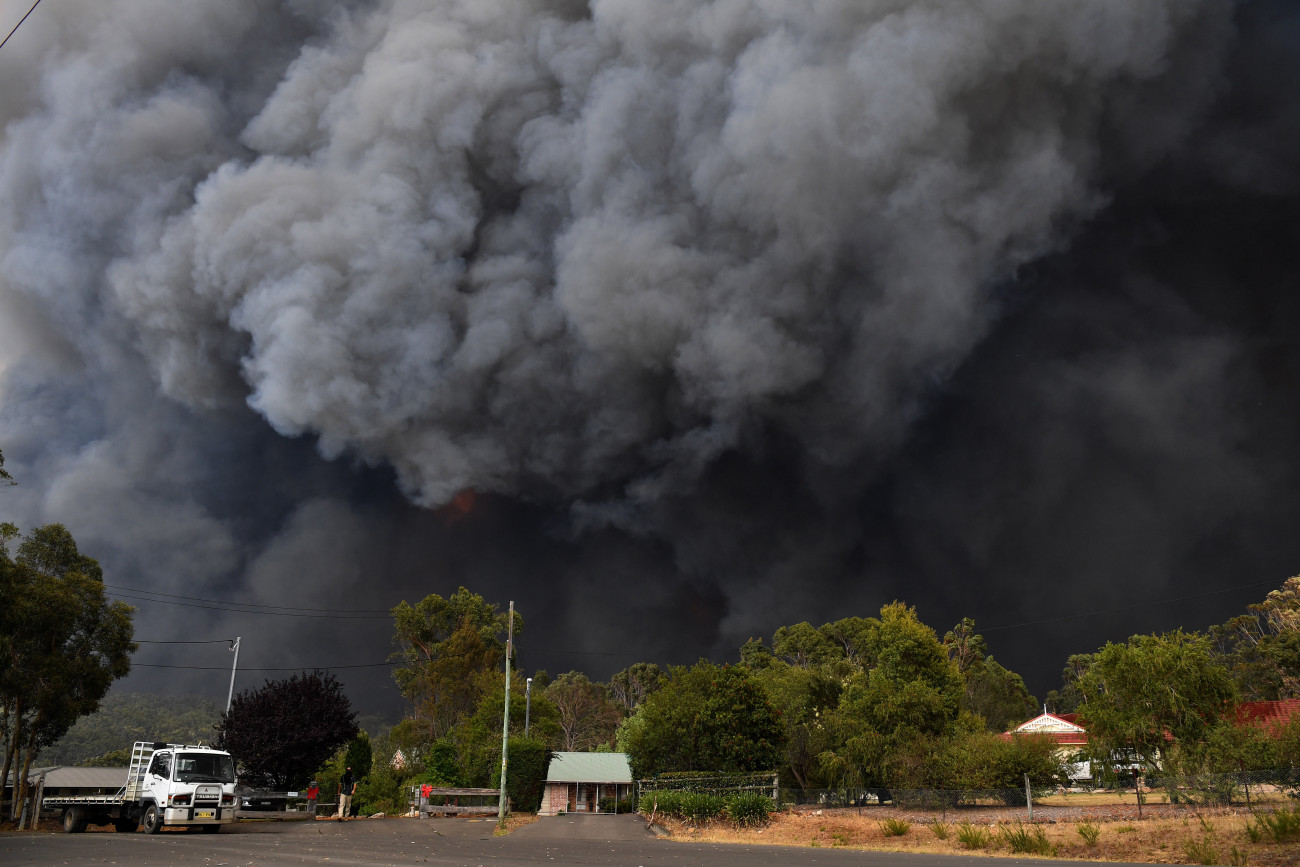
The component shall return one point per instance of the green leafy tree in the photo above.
(1068, 698)
(804, 646)
(62, 642)
(704, 718)
(913, 686)
(856, 639)
(1262, 647)
(966, 647)
(973, 759)
(907, 689)
(477, 739)
(633, 684)
(1136, 696)
(586, 716)
(997, 695)
(990, 691)
(443, 647)
(5, 478)
(358, 756)
(806, 698)
(281, 733)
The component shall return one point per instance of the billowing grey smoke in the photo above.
(675, 281)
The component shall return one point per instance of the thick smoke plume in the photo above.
(729, 313)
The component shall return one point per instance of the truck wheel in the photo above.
(153, 820)
(74, 820)
(210, 829)
(126, 826)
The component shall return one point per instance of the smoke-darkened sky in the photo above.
(673, 322)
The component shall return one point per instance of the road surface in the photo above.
(560, 840)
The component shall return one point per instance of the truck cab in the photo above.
(185, 785)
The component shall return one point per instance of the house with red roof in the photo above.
(1270, 715)
(1070, 737)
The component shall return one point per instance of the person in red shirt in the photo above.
(313, 792)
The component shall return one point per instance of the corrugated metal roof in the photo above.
(589, 768)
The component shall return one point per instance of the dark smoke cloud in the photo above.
(730, 313)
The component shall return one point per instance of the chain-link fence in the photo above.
(921, 799)
(1225, 789)
(1243, 788)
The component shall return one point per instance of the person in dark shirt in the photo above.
(347, 788)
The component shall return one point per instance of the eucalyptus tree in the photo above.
(62, 643)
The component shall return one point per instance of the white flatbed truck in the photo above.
(167, 785)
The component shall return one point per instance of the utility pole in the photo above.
(505, 723)
(528, 705)
(234, 646)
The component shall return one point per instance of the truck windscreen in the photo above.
(204, 768)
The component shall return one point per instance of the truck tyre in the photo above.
(126, 826)
(210, 829)
(153, 819)
(74, 820)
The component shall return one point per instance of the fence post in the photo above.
(1029, 798)
(776, 791)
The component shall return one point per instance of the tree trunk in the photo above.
(11, 749)
(27, 764)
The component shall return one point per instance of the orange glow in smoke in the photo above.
(460, 506)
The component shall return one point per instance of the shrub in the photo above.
(1021, 839)
(895, 827)
(693, 807)
(668, 803)
(1283, 826)
(1238, 858)
(526, 773)
(973, 837)
(748, 808)
(938, 829)
(1201, 851)
(1089, 832)
(697, 807)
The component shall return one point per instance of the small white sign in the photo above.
(293, 794)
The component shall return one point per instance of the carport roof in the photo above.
(589, 768)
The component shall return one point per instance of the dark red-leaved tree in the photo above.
(282, 733)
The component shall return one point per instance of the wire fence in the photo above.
(1244, 788)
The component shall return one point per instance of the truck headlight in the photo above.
(180, 800)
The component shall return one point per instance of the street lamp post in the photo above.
(505, 722)
(528, 703)
(234, 647)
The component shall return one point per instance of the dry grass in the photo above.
(1159, 837)
(515, 821)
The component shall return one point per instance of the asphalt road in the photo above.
(562, 840)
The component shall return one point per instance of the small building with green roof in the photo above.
(579, 782)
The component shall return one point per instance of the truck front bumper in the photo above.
(200, 815)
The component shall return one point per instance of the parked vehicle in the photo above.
(166, 785)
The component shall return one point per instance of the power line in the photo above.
(289, 668)
(210, 641)
(1120, 608)
(384, 611)
(240, 608)
(20, 23)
